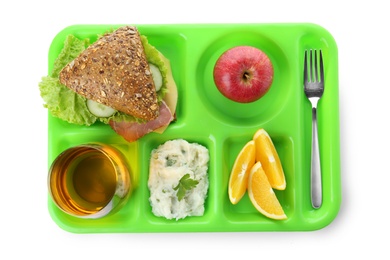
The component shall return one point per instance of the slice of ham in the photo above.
(132, 131)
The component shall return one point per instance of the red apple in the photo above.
(243, 74)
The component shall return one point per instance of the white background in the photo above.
(362, 225)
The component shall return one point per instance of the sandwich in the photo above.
(120, 80)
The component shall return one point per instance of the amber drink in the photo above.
(90, 180)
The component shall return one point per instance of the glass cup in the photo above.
(90, 180)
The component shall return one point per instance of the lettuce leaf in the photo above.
(72, 48)
(60, 100)
(63, 102)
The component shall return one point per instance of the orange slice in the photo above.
(262, 195)
(238, 181)
(266, 154)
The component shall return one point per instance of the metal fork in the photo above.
(313, 74)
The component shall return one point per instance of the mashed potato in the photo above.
(168, 164)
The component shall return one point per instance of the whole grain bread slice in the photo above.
(114, 71)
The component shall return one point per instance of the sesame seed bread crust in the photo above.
(114, 71)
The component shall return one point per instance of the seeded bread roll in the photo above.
(114, 71)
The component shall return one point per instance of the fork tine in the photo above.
(311, 66)
(315, 69)
(305, 67)
(321, 67)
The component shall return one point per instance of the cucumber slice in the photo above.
(157, 77)
(99, 109)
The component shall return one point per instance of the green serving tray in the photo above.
(223, 126)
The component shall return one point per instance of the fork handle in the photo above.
(316, 182)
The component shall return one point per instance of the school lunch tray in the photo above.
(206, 117)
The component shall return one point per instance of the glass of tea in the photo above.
(90, 180)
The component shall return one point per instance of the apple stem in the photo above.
(246, 76)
